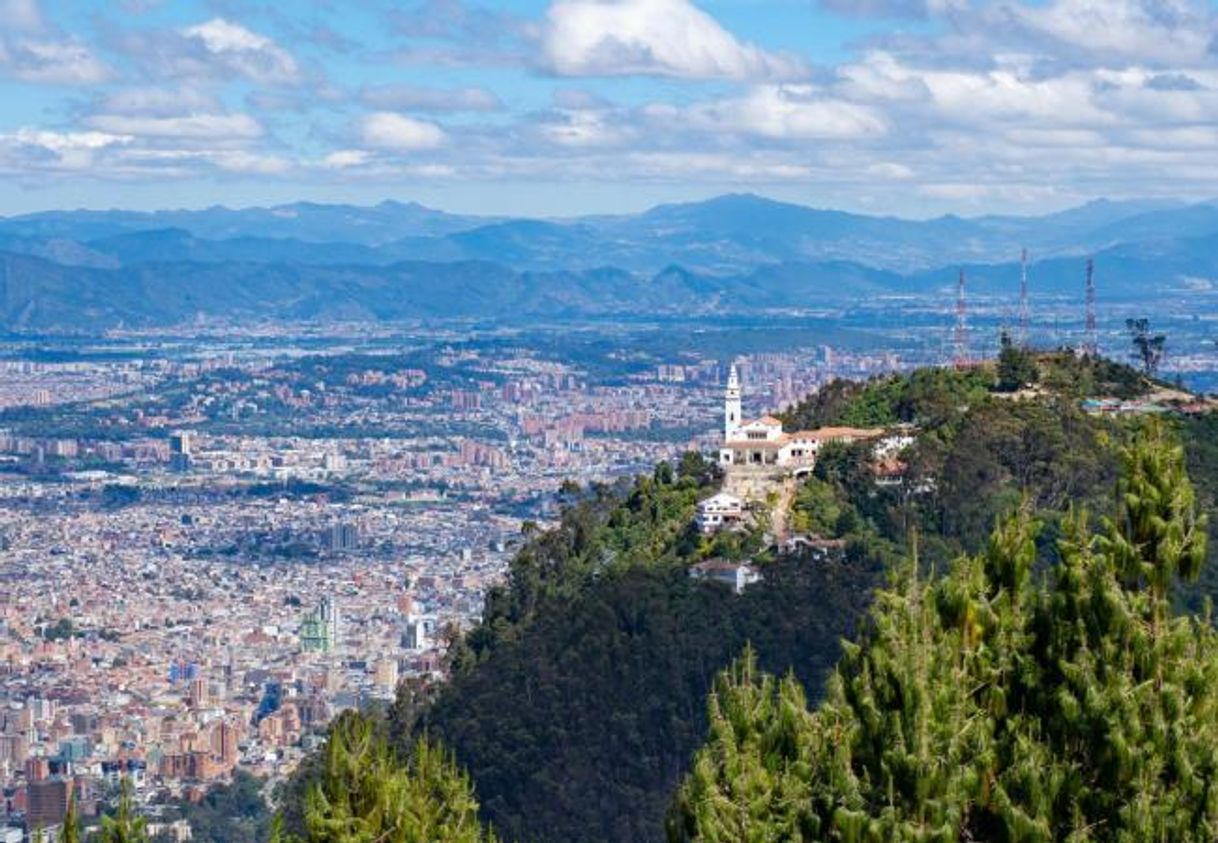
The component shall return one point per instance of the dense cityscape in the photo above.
(189, 589)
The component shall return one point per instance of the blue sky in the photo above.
(564, 107)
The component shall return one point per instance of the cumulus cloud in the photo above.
(394, 132)
(243, 51)
(342, 159)
(652, 38)
(1171, 31)
(584, 128)
(790, 112)
(55, 151)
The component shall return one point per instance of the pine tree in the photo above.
(366, 795)
(126, 826)
(989, 705)
(755, 764)
(71, 821)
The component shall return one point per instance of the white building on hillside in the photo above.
(736, 575)
(721, 510)
(762, 443)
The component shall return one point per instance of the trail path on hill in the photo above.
(782, 510)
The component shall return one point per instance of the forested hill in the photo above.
(578, 705)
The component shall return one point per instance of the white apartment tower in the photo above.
(732, 418)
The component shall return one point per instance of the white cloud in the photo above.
(30, 148)
(342, 159)
(53, 62)
(399, 133)
(890, 171)
(65, 141)
(789, 112)
(159, 102)
(210, 127)
(652, 38)
(1171, 31)
(240, 161)
(584, 128)
(248, 53)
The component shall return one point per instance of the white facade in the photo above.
(762, 443)
(732, 414)
(719, 511)
(736, 575)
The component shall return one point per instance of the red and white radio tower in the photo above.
(961, 337)
(1024, 317)
(1091, 343)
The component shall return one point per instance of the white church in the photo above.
(762, 444)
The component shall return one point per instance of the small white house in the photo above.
(737, 575)
(718, 512)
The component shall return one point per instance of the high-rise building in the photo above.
(319, 629)
(48, 803)
(224, 743)
(341, 537)
(198, 692)
(181, 442)
(181, 450)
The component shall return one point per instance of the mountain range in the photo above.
(86, 270)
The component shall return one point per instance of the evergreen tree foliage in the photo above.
(993, 704)
(126, 825)
(367, 795)
(752, 783)
(234, 812)
(71, 820)
(1016, 366)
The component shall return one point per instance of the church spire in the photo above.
(731, 405)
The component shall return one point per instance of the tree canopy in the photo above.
(367, 793)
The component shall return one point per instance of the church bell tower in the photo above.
(731, 405)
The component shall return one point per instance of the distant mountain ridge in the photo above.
(81, 270)
(727, 234)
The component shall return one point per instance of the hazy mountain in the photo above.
(176, 244)
(40, 295)
(84, 270)
(727, 235)
(308, 221)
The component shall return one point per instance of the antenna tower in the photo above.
(961, 336)
(1091, 344)
(1024, 318)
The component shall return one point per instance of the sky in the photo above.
(570, 107)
